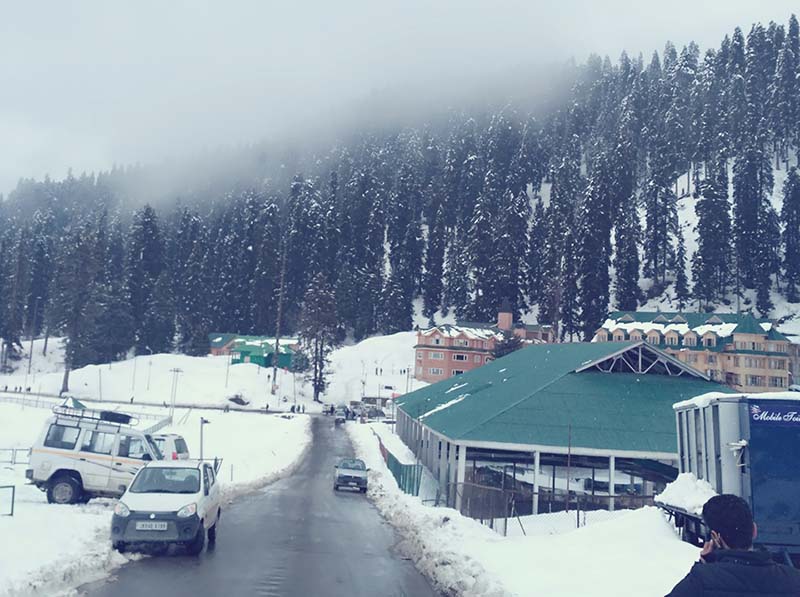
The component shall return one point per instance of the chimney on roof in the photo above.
(505, 317)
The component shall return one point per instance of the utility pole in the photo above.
(203, 423)
(133, 379)
(278, 322)
(100, 382)
(175, 372)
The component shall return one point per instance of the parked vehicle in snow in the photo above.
(172, 446)
(745, 445)
(339, 417)
(84, 453)
(351, 473)
(169, 502)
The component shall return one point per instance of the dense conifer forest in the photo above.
(567, 216)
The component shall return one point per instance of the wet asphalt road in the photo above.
(297, 537)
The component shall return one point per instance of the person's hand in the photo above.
(708, 547)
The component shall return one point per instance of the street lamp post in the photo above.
(203, 423)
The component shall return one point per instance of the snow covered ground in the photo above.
(367, 368)
(636, 551)
(54, 548)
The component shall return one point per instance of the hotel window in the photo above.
(758, 346)
(619, 337)
(485, 344)
(459, 357)
(777, 382)
(435, 371)
(458, 372)
(419, 355)
(709, 341)
(672, 340)
(462, 342)
(712, 359)
(437, 341)
(755, 380)
(736, 362)
(690, 341)
(777, 364)
(654, 339)
(437, 356)
(691, 358)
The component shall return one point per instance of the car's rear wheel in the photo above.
(120, 546)
(212, 532)
(64, 490)
(363, 490)
(196, 545)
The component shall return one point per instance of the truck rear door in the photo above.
(775, 470)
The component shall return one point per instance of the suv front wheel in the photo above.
(64, 490)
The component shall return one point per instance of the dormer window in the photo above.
(654, 338)
(678, 319)
(627, 318)
(660, 319)
(437, 341)
(690, 340)
(714, 320)
(709, 341)
(672, 340)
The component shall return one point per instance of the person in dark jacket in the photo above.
(728, 566)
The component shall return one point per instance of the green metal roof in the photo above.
(748, 325)
(218, 340)
(534, 396)
(774, 334)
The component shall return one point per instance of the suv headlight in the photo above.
(121, 510)
(187, 511)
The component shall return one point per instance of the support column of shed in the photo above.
(442, 470)
(612, 473)
(536, 462)
(451, 475)
(461, 474)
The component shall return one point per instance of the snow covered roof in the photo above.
(470, 331)
(721, 324)
(703, 400)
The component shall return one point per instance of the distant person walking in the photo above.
(728, 566)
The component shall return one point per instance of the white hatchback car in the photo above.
(169, 501)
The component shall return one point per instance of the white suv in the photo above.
(169, 501)
(172, 446)
(84, 453)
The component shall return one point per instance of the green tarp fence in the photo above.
(408, 476)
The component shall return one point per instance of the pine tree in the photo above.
(432, 286)
(594, 248)
(681, 280)
(318, 329)
(144, 264)
(626, 259)
(712, 262)
(158, 326)
(570, 321)
(790, 218)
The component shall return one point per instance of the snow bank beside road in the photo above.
(462, 557)
(46, 548)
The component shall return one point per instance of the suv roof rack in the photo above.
(98, 416)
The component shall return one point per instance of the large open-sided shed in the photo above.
(598, 405)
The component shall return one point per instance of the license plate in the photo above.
(146, 525)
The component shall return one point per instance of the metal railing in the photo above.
(14, 456)
(7, 490)
(498, 508)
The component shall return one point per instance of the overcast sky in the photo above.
(89, 84)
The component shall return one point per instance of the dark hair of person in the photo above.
(730, 516)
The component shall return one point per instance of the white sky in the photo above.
(91, 83)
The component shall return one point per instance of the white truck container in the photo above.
(746, 445)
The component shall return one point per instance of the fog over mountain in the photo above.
(92, 84)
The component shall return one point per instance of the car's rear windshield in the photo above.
(166, 480)
(353, 465)
(180, 446)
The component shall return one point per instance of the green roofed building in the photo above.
(260, 351)
(746, 353)
(549, 411)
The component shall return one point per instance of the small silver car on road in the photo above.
(352, 473)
